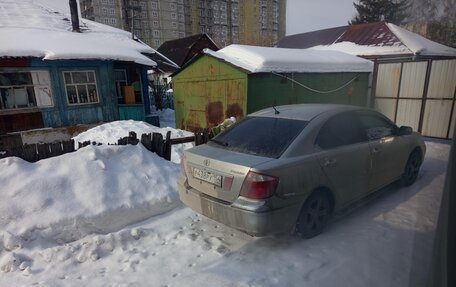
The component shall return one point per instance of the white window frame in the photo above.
(42, 91)
(79, 102)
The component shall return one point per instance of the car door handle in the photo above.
(329, 162)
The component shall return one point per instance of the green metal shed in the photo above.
(239, 80)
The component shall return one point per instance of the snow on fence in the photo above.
(153, 142)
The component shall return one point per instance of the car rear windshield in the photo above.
(268, 137)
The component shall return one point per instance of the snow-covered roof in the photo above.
(29, 28)
(409, 44)
(264, 59)
(420, 45)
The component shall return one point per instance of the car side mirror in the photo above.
(404, 130)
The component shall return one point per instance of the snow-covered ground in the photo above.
(76, 220)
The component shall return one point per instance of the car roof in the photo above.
(305, 112)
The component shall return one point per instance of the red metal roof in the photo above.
(371, 34)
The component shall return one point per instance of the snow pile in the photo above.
(97, 189)
(387, 241)
(264, 59)
(109, 133)
(34, 30)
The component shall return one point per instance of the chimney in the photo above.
(74, 15)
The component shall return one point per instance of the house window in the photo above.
(155, 24)
(25, 89)
(156, 33)
(174, 25)
(173, 15)
(81, 87)
(120, 77)
(154, 5)
(154, 14)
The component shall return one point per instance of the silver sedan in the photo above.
(288, 168)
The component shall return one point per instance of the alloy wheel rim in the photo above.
(318, 210)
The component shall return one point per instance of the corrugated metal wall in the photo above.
(387, 87)
(266, 89)
(402, 95)
(207, 92)
(438, 113)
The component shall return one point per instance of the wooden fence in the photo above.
(153, 142)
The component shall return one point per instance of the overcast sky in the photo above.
(310, 15)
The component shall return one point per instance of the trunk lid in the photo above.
(217, 172)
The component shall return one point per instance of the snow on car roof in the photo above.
(29, 28)
(265, 59)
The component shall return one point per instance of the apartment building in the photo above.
(254, 22)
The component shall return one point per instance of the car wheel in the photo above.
(411, 169)
(314, 215)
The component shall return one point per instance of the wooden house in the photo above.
(57, 70)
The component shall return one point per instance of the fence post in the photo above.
(167, 147)
(43, 151)
(55, 149)
(146, 140)
(157, 144)
(29, 152)
(68, 146)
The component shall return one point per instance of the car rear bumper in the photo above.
(250, 216)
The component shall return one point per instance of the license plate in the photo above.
(207, 176)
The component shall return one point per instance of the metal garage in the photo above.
(414, 78)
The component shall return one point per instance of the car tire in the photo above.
(314, 215)
(411, 169)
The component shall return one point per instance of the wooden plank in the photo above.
(182, 140)
(68, 146)
(167, 146)
(43, 151)
(146, 140)
(157, 143)
(30, 152)
(55, 149)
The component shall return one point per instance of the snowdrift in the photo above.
(97, 189)
(109, 133)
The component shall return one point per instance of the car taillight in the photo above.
(259, 186)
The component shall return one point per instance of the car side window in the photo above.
(376, 127)
(340, 130)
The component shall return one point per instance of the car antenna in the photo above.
(275, 110)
